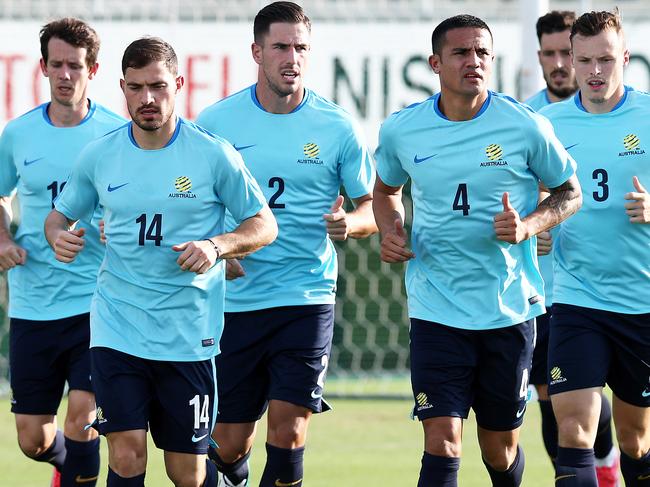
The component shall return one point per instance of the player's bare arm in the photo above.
(638, 209)
(66, 241)
(251, 235)
(358, 223)
(11, 254)
(563, 202)
(544, 239)
(389, 214)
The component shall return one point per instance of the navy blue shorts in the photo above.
(453, 369)
(539, 372)
(175, 400)
(276, 353)
(43, 355)
(590, 347)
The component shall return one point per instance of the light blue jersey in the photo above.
(602, 260)
(36, 158)
(462, 276)
(300, 160)
(536, 102)
(145, 305)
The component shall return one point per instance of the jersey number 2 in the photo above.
(280, 182)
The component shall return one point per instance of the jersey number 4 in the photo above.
(461, 200)
(154, 232)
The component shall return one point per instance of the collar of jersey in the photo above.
(579, 104)
(89, 115)
(259, 105)
(436, 102)
(179, 122)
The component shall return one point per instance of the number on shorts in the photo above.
(523, 390)
(324, 361)
(201, 414)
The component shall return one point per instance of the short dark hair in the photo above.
(555, 21)
(147, 50)
(287, 12)
(455, 22)
(75, 32)
(593, 23)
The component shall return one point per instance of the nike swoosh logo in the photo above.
(571, 146)
(113, 188)
(241, 148)
(316, 396)
(418, 160)
(82, 480)
(278, 483)
(521, 412)
(645, 393)
(562, 477)
(196, 440)
(27, 163)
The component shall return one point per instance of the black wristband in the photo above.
(214, 246)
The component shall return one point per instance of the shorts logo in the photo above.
(556, 375)
(311, 151)
(100, 416)
(196, 439)
(12, 399)
(520, 412)
(494, 153)
(645, 393)
(316, 395)
(422, 401)
(632, 145)
(183, 185)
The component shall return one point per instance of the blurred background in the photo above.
(369, 56)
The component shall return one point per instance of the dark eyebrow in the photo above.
(460, 50)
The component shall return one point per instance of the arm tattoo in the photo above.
(563, 202)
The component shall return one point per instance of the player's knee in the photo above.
(128, 462)
(500, 459)
(573, 433)
(185, 479)
(32, 446)
(287, 435)
(442, 440)
(75, 428)
(632, 442)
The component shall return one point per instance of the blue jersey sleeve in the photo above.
(549, 160)
(236, 188)
(79, 198)
(356, 167)
(8, 171)
(389, 167)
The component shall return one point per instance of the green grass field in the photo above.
(360, 443)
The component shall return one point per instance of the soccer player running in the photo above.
(280, 308)
(49, 302)
(157, 314)
(600, 325)
(553, 31)
(474, 158)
